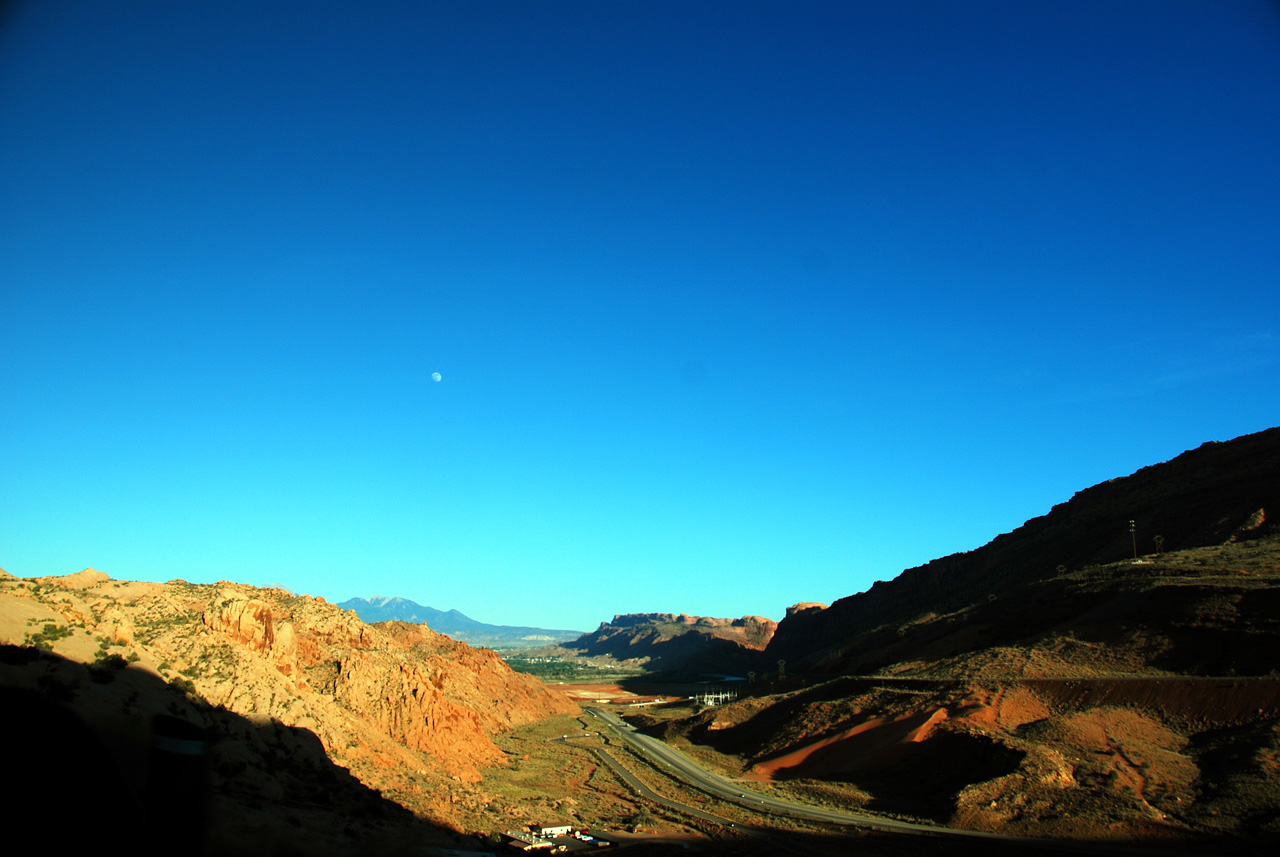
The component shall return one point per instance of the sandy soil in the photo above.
(880, 741)
(875, 743)
(1199, 700)
(605, 694)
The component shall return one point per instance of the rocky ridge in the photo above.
(1049, 683)
(678, 642)
(406, 710)
(1217, 493)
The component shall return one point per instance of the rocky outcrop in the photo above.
(442, 697)
(407, 701)
(393, 696)
(249, 622)
(84, 579)
(246, 621)
(804, 607)
(679, 642)
(751, 631)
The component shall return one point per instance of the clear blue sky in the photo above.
(735, 304)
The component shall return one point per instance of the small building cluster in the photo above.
(556, 838)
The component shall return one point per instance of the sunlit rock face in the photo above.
(679, 642)
(297, 661)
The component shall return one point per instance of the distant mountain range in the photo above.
(454, 624)
(267, 673)
(1107, 671)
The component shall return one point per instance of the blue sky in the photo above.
(735, 305)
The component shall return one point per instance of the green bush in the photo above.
(103, 670)
(51, 633)
(113, 662)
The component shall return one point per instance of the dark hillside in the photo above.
(1216, 493)
(1047, 684)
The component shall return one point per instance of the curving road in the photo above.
(644, 791)
(713, 784)
(690, 772)
(684, 809)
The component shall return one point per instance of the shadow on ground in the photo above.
(109, 754)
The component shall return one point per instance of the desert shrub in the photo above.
(50, 634)
(103, 670)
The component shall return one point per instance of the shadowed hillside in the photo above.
(146, 766)
(408, 712)
(1216, 493)
(1047, 684)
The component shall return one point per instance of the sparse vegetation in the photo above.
(1130, 698)
(1090, 706)
(560, 668)
(50, 634)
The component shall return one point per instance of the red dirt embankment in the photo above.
(879, 741)
(1224, 701)
(875, 743)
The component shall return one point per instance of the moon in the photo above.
(435, 376)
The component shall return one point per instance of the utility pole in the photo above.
(1133, 535)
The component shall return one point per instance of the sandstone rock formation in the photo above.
(804, 607)
(395, 704)
(679, 642)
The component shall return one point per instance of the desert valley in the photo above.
(1102, 679)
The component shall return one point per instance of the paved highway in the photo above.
(644, 791)
(700, 778)
(684, 809)
(690, 772)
